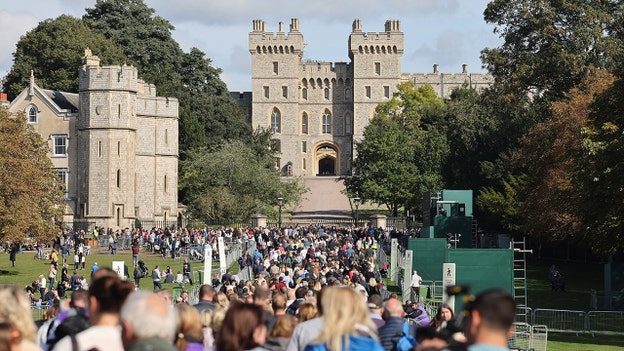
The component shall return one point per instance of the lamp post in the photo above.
(280, 201)
(357, 208)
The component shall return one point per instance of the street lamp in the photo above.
(357, 207)
(280, 201)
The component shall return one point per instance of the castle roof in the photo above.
(64, 100)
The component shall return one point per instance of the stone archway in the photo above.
(326, 157)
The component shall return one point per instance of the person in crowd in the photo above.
(42, 285)
(10, 337)
(156, 279)
(186, 270)
(94, 268)
(166, 295)
(147, 323)
(137, 274)
(278, 304)
(300, 294)
(205, 318)
(52, 276)
(393, 329)
(15, 313)
(415, 284)
(490, 321)
(135, 252)
(243, 328)
(106, 297)
(417, 313)
(189, 333)
(262, 298)
(13, 254)
(307, 311)
(206, 297)
(443, 316)
(278, 337)
(347, 325)
(221, 301)
(376, 308)
(69, 321)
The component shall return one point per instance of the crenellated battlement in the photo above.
(95, 77)
(378, 43)
(444, 83)
(262, 42)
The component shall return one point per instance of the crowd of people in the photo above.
(313, 288)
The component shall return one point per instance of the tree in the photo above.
(403, 150)
(384, 168)
(549, 45)
(598, 175)
(30, 195)
(230, 182)
(54, 52)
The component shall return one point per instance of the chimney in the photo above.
(464, 68)
(281, 27)
(435, 68)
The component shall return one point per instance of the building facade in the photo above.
(318, 109)
(114, 145)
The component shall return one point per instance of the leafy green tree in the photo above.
(507, 204)
(54, 52)
(548, 45)
(384, 168)
(230, 182)
(30, 195)
(403, 150)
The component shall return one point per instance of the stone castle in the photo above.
(317, 109)
(114, 145)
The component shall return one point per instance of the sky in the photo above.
(444, 32)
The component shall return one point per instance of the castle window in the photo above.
(326, 119)
(99, 147)
(348, 124)
(377, 68)
(276, 120)
(304, 146)
(285, 92)
(304, 123)
(119, 178)
(347, 94)
(386, 92)
(166, 137)
(165, 185)
(304, 93)
(60, 145)
(32, 114)
(266, 91)
(275, 67)
(62, 174)
(368, 91)
(303, 163)
(326, 93)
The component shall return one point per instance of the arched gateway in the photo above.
(326, 159)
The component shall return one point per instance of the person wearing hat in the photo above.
(375, 307)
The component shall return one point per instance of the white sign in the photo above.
(448, 279)
(222, 263)
(118, 267)
(207, 264)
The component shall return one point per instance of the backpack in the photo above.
(406, 342)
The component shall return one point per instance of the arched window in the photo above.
(32, 114)
(348, 124)
(347, 94)
(304, 123)
(326, 122)
(276, 120)
(304, 93)
(326, 93)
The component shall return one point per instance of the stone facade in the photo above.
(319, 109)
(121, 157)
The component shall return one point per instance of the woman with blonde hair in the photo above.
(278, 337)
(222, 301)
(189, 332)
(15, 311)
(307, 311)
(347, 326)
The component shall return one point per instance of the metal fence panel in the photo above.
(560, 320)
(523, 314)
(521, 338)
(539, 338)
(608, 322)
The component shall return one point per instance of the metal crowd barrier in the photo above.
(560, 320)
(608, 322)
(524, 314)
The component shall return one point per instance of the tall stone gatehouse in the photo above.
(319, 109)
(114, 144)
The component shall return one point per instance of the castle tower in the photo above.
(107, 143)
(376, 60)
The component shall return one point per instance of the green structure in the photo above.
(449, 216)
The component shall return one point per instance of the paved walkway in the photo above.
(323, 199)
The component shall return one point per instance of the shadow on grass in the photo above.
(3, 272)
(587, 339)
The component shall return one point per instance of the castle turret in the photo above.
(376, 59)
